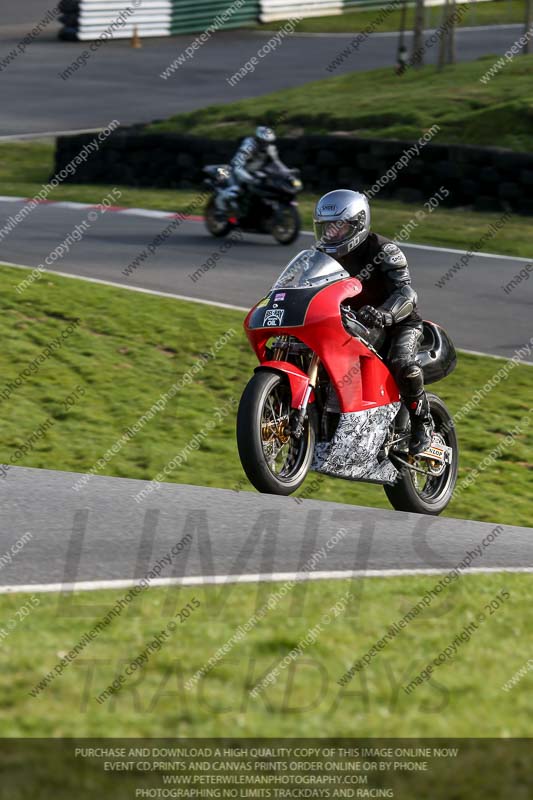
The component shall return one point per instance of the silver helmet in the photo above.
(341, 221)
(265, 136)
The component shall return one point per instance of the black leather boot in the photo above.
(421, 424)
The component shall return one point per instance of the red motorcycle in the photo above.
(323, 398)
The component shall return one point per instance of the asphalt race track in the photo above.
(122, 83)
(479, 315)
(101, 534)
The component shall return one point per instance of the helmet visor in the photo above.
(335, 232)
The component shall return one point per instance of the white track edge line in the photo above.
(216, 580)
(492, 355)
(47, 134)
(146, 212)
(201, 301)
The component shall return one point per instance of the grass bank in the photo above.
(467, 111)
(462, 698)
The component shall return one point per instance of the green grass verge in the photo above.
(26, 166)
(463, 698)
(478, 13)
(467, 111)
(129, 348)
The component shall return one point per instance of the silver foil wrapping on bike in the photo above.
(353, 450)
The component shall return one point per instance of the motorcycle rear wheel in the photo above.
(431, 496)
(215, 225)
(274, 460)
(287, 225)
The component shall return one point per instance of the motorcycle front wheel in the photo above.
(274, 460)
(216, 223)
(287, 224)
(429, 494)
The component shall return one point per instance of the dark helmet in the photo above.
(341, 221)
(264, 136)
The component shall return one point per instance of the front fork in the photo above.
(298, 422)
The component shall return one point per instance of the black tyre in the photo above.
(287, 225)
(217, 225)
(69, 6)
(274, 460)
(429, 494)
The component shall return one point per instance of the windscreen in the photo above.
(310, 268)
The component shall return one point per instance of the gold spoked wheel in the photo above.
(425, 485)
(274, 458)
(279, 431)
(275, 430)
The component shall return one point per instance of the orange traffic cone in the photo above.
(136, 39)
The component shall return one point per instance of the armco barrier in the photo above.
(482, 177)
(87, 20)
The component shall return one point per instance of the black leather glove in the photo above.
(374, 318)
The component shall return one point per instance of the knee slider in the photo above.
(411, 379)
(412, 372)
(403, 369)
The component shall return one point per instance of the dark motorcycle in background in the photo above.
(267, 206)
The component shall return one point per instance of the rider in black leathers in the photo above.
(254, 154)
(342, 228)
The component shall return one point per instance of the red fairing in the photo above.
(361, 378)
(298, 380)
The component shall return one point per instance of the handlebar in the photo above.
(349, 319)
(373, 337)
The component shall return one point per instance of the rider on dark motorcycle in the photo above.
(342, 230)
(254, 154)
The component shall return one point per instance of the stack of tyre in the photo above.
(289, 9)
(87, 20)
(190, 16)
